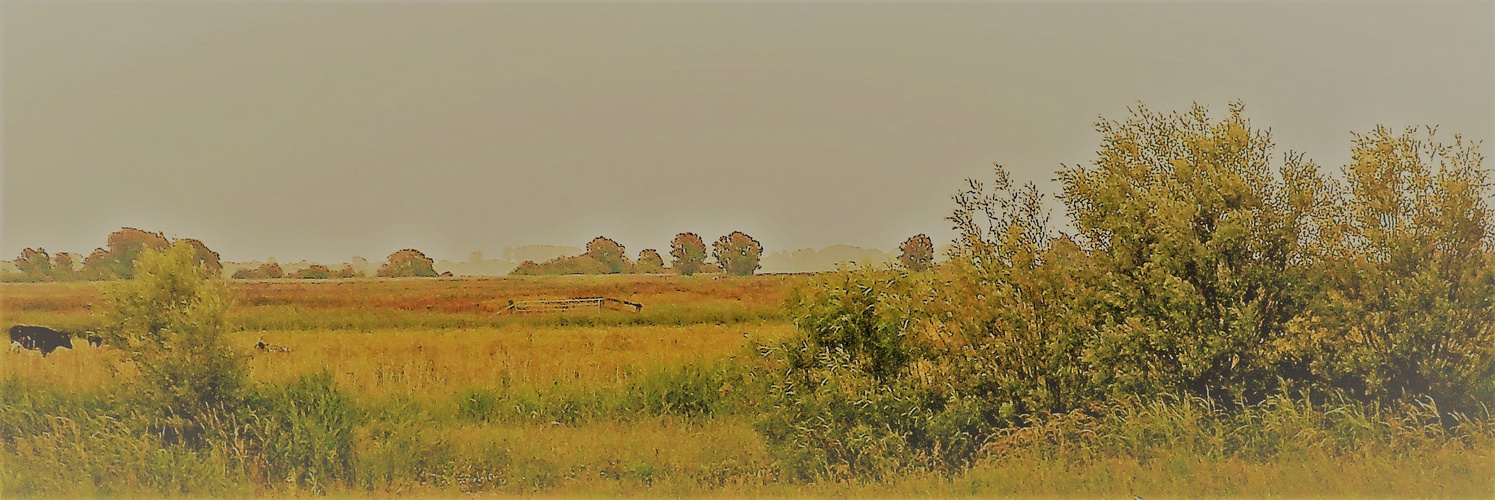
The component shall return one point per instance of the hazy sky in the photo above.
(325, 130)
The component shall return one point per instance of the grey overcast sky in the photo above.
(325, 130)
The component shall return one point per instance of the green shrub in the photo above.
(171, 316)
(305, 432)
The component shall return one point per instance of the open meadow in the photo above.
(422, 386)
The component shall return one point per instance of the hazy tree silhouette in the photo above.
(688, 251)
(917, 252)
(737, 253)
(266, 270)
(408, 263)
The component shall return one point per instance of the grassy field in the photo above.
(451, 396)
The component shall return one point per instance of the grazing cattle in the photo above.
(40, 338)
(94, 340)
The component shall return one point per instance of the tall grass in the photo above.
(622, 404)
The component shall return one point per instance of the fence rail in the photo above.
(561, 305)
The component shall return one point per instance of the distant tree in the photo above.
(204, 257)
(65, 266)
(610, 254)
(346, 271)
(649, 262)
(526, 268)
(406, 263)
(362, 265)
(688, 252)
(580, 264)
(95, 266)
(35, 265)
(125, 246)
(313, 272)
(737, 253)
(917, 252)
(266, 270)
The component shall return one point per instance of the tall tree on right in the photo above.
(737, 253)
(917, 252)
(688, 251)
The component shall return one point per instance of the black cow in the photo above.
(94, 340)
(40, 338)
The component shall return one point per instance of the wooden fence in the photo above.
(562, 305)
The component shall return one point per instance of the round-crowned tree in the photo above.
(649, 262)
(737, 253)
(917, 253)
(408, 263)
(688, 251)
(125, 246)
(610, 254)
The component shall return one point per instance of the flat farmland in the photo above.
(399, 387)
(435, 337)
(457, 395)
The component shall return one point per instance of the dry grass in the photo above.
(440, 363)
(413, 352)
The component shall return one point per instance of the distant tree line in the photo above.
(116, 261)
(736, 254)
(124, 248)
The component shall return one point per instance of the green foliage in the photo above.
(171, 318)
(65, 267)
(610, 254)
(35, 265)
(917, 253)
(688, 253)
(1407, 306)
(125, 246)
(649, 262)
(737, 253)
(1201, 250)
(407, 263)
(1199, 269)
(304, 432)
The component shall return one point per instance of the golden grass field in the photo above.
(461, 398)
